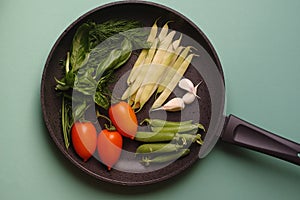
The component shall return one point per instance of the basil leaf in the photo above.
(85, 83)
(116, 58)
(101, 100)
(79, 111)
(80, 47)
(126, 49)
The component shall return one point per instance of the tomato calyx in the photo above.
(109, 127)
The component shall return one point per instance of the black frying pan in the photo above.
(211, 106)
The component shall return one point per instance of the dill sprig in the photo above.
(102, 31)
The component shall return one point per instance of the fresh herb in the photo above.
(97, 50)
(100, 32)
(85, 46)
(67, 120)
(80, 47)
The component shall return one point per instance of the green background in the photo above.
(259, 47)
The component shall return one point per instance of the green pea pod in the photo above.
(163, 123)
(143, 136)
(182, 139)
(146, 160)
(158, 148)
(190, 128)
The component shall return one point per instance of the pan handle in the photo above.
(244, 134)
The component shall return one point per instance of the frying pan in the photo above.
(210, 107)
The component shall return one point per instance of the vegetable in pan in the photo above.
(163, 123)
(172, 84)
(184, 138)
(109, 147)
(143, 54)
(147, 160)
(158, 69)
(89, 67)
(177, 103)
(166, 139)
(170, 126)
(95, 54)
(158, 148)
(84, 139)
(124, 119)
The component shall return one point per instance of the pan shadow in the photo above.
(265, 162)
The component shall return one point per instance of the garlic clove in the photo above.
(188, 98)
(186, 84)
(175, 104)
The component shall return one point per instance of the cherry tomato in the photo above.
(109, 146)
(124, 119)
(84, 139)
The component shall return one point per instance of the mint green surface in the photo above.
(259, 46)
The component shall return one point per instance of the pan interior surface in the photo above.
(204, 68)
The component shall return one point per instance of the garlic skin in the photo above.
(195, 90)
(175, 104)
(186, 84)
(188, 98)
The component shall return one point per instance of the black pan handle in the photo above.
(242, 133)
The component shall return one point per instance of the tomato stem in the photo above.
(110, 127)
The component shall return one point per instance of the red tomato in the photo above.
(84, 139)
(109, 146)
(124, 119)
